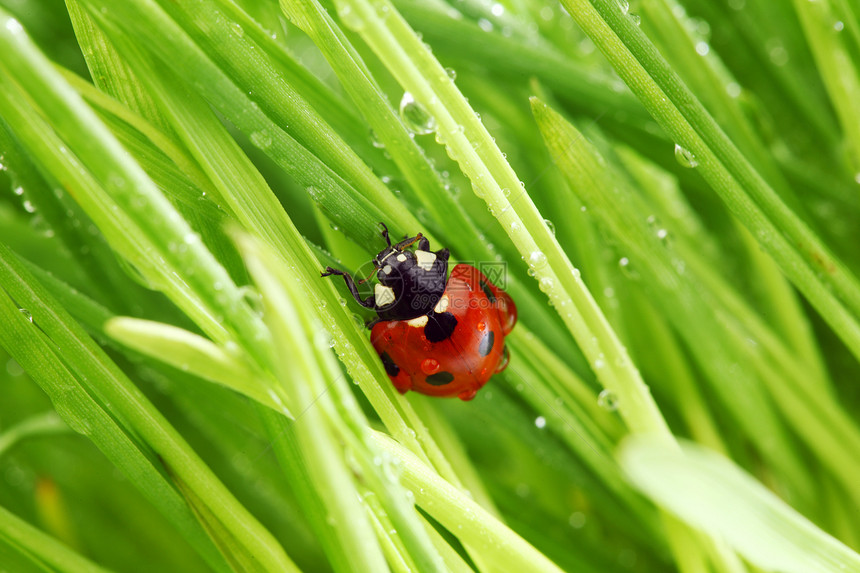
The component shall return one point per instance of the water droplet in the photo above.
(777, 52)
(685, 157)
(451, 73)
(546, 284)
(29, 207)
(415, 117)
(40, 225)
(549, 225)
(624, 5)
(733, 89)
(238, 30)
(26, 314)
(838, 26)
(537, 260)
(485, 25)
(430, 366)
(18, 191)
(515, 226)
(349, 17)
(261, 139)
(540, 422)
(702, 48)
(13, 368)
(374, 140)
(607, 400)
(635, 19)
(576, 520)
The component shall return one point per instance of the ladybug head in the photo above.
(410, 282)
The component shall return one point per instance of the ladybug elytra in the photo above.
(436, 335)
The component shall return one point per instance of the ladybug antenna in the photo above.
(362, 281)
(384, 232)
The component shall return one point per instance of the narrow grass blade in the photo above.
(468, 142)
(330, 444)
(499, 546)
(49, 553)
(679, 298)
(710, 493)
(826, 282)
(41, 425)
(95, 398)
(194, 354)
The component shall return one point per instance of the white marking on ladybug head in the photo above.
(419, 322)
(387, 269)
(442, 305)
(425, 259)
(384, 295)
(401, 257)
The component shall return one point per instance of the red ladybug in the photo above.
(435, 336)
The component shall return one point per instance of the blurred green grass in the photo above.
(673, 188)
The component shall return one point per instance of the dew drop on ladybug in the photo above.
(430, 366)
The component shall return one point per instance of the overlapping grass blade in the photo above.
(711, 493)
(826, 282)
(81, 380)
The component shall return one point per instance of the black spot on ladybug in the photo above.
(488, 291)
(391, 368)
(440, 378)
(439, 327)
(487, 343)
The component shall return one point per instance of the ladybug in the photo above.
(436, 335)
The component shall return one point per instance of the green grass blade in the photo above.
(78, 408)
(826, 282)
(674, 292)
(318, 430)
(42, 548)
(837, 66)
(709, 492)
(468, 142)
(44, 424)
(501, 547)
(194, 354)
(155, 238)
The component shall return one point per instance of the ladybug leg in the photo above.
(409, 241)
(369, 302)
(424, 244)
(384, 232)
(370, 323)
